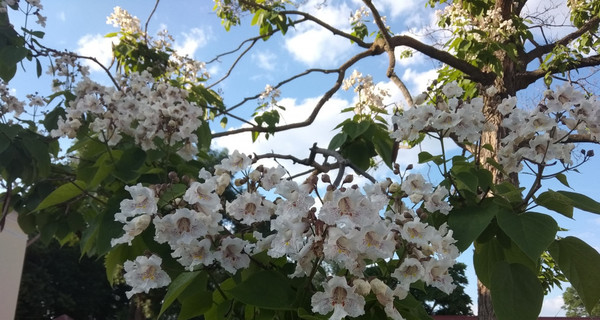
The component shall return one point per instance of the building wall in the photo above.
(12, 254)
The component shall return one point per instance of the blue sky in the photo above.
(80, 25)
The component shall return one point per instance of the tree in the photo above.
(55, 282)
(135, 189)
(440, 303)
(574, 306)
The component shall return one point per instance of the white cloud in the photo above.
(317, 47)
(314, 45)
(395, 7)
(551, 307)
(62, 17)
(97, 46)
(265, 59)
(417, 81)
(296, 142)
(192, 40)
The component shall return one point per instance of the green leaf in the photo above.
(337, 141)
(579, 262)
(355, 129)
(63, 193)
(470, 221)
(176, 288)
(197, 304)
(556, 202)
(266, 289)
(533, 232)
(562, 178)
(127, 167)
(38, 67)
(516, 292)
(485, 257)
(582, 202)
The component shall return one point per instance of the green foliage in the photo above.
(579, 261)
(573, 305)
(437, 302)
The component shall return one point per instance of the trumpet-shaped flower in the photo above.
(340, 298)
(144, 274)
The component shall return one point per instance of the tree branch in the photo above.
(523, 79)
(311, 118)
(473, 73)
(541, 50)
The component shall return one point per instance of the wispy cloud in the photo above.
(192, 40)
(97, 46)
(265, 60)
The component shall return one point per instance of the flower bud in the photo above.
(361, 287)
(325, 178)
(349, 178)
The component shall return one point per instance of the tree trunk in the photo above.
(485, 309)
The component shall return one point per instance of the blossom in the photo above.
(143, 202)
(231, 254)
(144, 274)
(250, 208)
(339, 297)
(411, 270)
(183, 226)
(235, 162)
(133, 228)
(194, 253)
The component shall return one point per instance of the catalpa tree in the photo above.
(236, 238)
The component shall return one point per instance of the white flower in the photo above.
(183, 226)
(416, 187)
(203, 194)
(272, 177)
(231, 255)
(133, 228)
(411, 270)
(144, 274)
(250, 208)
(435, 201)
(142, 202)
(195, 253)
(452, 90)
(235, 162)
(339, 297)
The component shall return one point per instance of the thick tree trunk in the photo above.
(485, 309)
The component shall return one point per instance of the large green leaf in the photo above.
(531, 231)
(470, 221)
(176, 288)
(582, 202)
(63, 193)
(556, 202)
(485, 257)
(266, 289)
(579, 262)
(516, 292)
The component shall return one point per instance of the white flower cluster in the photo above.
(463, 119)
(144, 109)
(9, 103)
(496, 28)
(125, 21)
(270, 95)
(370, 96)
(539, 135)
(348, 230)
(34, 4)
(357, 18)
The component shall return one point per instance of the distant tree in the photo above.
(439, 303)
(574, 305)
(57, 281)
